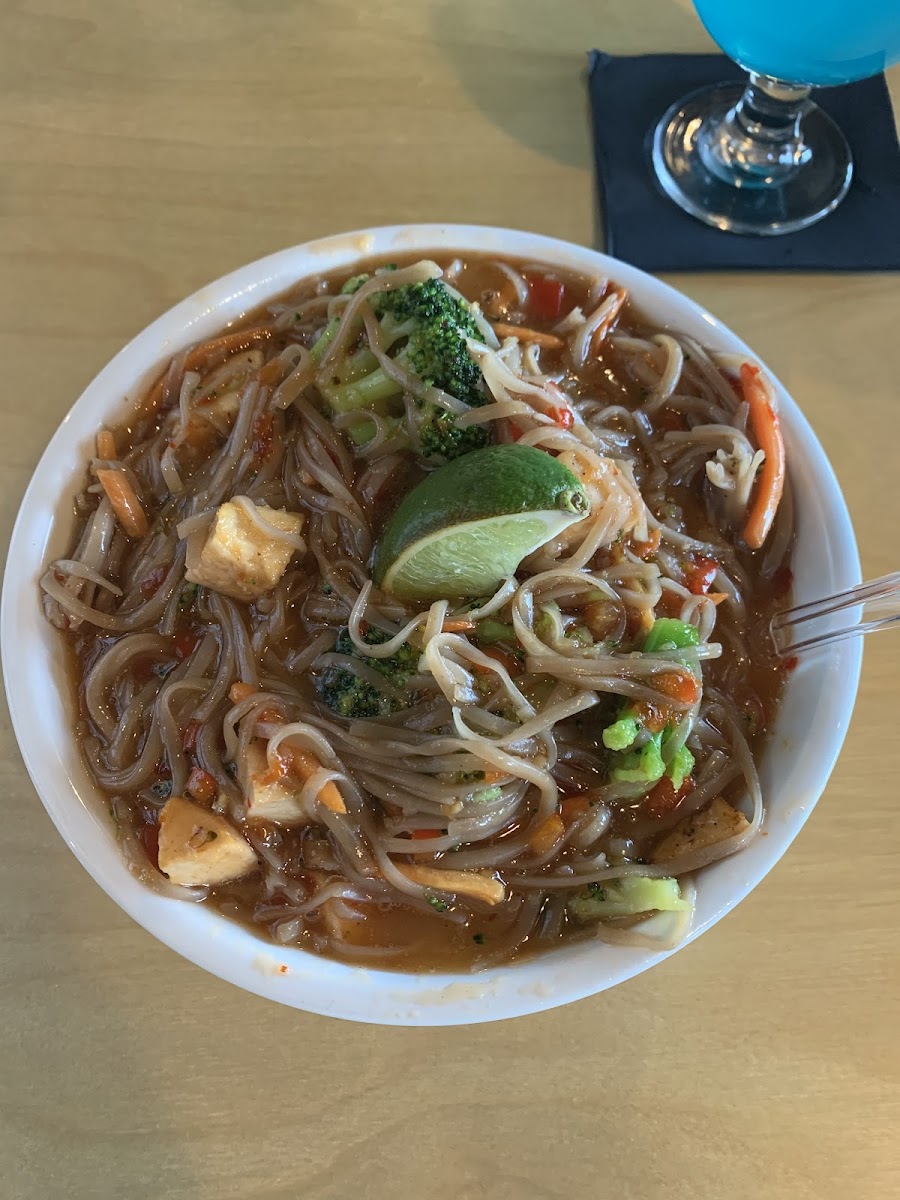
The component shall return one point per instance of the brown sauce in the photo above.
(404, 937)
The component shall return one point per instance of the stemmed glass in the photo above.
(764, 158)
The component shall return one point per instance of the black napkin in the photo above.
(643, 226)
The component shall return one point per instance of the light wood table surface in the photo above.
(148, 146)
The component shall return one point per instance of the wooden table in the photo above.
(148, 147)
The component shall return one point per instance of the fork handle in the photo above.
(878, 600)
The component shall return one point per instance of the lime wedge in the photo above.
(465, 528)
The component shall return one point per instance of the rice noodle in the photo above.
(499, 711)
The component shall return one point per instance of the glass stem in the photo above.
(760, 140)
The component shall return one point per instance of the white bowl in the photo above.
(796, 764)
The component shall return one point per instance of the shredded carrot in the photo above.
(663, 798)
(699, 573)
(601, 618)
(279, 770)
(492, 776)
(227, 344)
(654, 715)
(305, 764)
(201, 785)
(574, 807)
(547, 834)
(271, 372)
(608, 321)
(680, 687)
(646, 550)
(125, 503)
(457, 625)
(563, 416)
(547, 341)
(766, 427)
(500, 656)
(465, 883)
(238, 692)
(106, 444)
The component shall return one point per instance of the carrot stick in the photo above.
(106, 444)
(305, 763)
(606, 324)
(549, 341)
(547, 834)
(457, 625)
(124, 501)
(767, 430)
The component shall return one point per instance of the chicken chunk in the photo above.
(198, 847)
(714, 824)
(239, 556)
(476, 885)
(271, 799)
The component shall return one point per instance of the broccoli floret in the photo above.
(436, 349)
(680, 767)
(627, 897)
(348, 696)
(353, 284)
(647, 765)
(319, 346)
(397, 669)
(441, 438)
(428, 325)
(641, 766)
(621, 734)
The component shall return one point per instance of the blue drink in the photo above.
(817, 42)
(764, 159)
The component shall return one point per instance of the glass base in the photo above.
(780, 198)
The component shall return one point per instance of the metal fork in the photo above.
(878, 600)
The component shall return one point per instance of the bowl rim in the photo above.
(292, 976)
